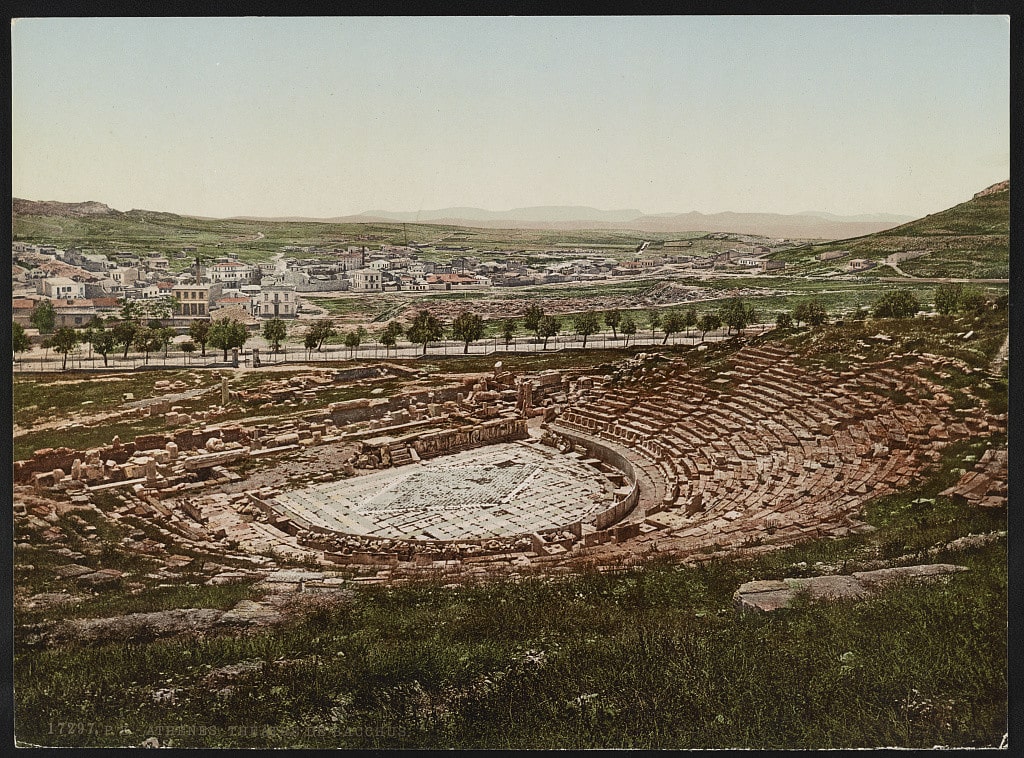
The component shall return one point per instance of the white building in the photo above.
(231, 272)
(366, 280)
(61, 288)
(278, 301)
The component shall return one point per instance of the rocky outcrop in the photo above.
(773, 594)
(998, 187)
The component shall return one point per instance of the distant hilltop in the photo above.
(998, 187)
(53, 208)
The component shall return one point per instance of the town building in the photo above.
(278, 301)
(366, 280)
(60, 288)
(230, 271)
(195, 299)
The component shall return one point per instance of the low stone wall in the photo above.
(63, 457)
(364, 409)
(616, 460)
(618, 511)
(486, 433)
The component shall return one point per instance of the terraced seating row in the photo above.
(777, 445)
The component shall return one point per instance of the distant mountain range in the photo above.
(810, 224)
(806, 225)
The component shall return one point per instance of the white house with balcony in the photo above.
(366, 280)
(278, 301)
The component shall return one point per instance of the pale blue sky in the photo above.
(332, 116)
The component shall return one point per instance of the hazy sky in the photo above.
(332, 116)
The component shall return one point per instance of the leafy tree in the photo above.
(708, 323)
(146, 340)
(973, 301)
(628, 326)
(508, 331)
(899, 303)
(548, 327)
(811, 312)
(586, 323)
(389, 337)
(690, 319)
(164, 336)
(124, 334)
(64, 341)
(957, 298)
(672, 323)
(274, 332)
(96, 324)
(188, 348)
(531, 320)
(130, 310)
(227, 333)
(43, 317)
(654, 319)
(353, 339)
(199, 331)
(947, 298)
(734, 315)
(784, 321)
(322, 329)
(612, 320)
(159, 308)
(103, 341)
(425, 328)
(467, 327)
(19, 340)
(309, 342)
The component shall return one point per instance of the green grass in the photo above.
(651, 659)
(46, 396)
(969, 240)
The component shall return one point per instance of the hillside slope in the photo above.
(970, 240)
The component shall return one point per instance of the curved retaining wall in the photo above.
(615, 459)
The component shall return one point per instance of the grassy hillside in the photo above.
(969, 240)
(655, 658)
(143, 231)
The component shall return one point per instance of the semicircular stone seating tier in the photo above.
(770, 444)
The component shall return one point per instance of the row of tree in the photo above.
(139, 325)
